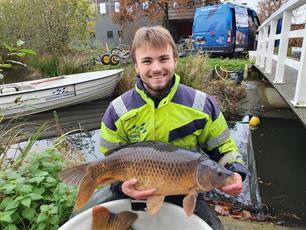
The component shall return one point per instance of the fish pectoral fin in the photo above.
(100, 217)
(189, 203)
(154, 203)
(122, 220)
(87, 188)
(107, 181)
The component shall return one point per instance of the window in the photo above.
(130, 9)
(145, 5)
(120, 33)
(117, 7)
(102, 8)
(109, 34)
(241, 17)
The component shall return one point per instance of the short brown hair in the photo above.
(158, 36)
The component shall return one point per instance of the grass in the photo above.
(229, 64)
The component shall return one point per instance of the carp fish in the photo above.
(169, 169)
(102, 219)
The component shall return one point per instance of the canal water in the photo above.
(280, 155)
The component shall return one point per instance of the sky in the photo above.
(299, 15)
(250, 3)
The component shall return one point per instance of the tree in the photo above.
(153, 10)
(46, 25)
(267, 7)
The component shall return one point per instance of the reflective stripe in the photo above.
(231, 157)
(199, 100)
(187, 129)
(119, 106)
(108, 145)
(216, 141)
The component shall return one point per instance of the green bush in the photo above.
(10, 56)
(48, 25)
(32, 197)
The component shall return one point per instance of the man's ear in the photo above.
(136, 68)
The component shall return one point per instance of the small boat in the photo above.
(169, 217)
(36, 96)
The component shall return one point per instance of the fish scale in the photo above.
(152, 166)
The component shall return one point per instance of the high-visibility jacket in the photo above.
(185, 117)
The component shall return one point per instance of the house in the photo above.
(180, 22)
(106, 30)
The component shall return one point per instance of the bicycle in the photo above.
(115, 55)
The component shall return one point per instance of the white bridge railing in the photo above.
(265, 49)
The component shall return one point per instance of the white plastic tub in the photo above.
(170, 216)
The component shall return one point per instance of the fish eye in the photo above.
(219, 173)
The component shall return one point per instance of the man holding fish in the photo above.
(161, 109)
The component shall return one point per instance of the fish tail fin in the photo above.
(103, 219)
(74, 175)
(87, 188)
(100, 217)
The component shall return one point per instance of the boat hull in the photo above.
(52, 93)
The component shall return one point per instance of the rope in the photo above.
(219, 75)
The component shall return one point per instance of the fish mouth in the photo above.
(231, 179)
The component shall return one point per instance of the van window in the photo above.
(209, 22)
(241, 17)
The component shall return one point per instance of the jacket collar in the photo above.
(140, 88)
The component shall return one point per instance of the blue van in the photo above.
(224, 29)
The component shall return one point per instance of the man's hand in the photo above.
(128, 187)
(234, 189)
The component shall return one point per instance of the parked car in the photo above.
(224, 29)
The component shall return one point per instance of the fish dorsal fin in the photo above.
(100, 217)
(154, 203)
(74, 175)
(122, 220)
(189, 203)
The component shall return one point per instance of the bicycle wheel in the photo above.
(116, 50)
(114, 59)
(105, 59)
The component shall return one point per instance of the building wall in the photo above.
(105, 26)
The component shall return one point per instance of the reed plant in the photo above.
(10, 134)
(193, 70)
(56, 65)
